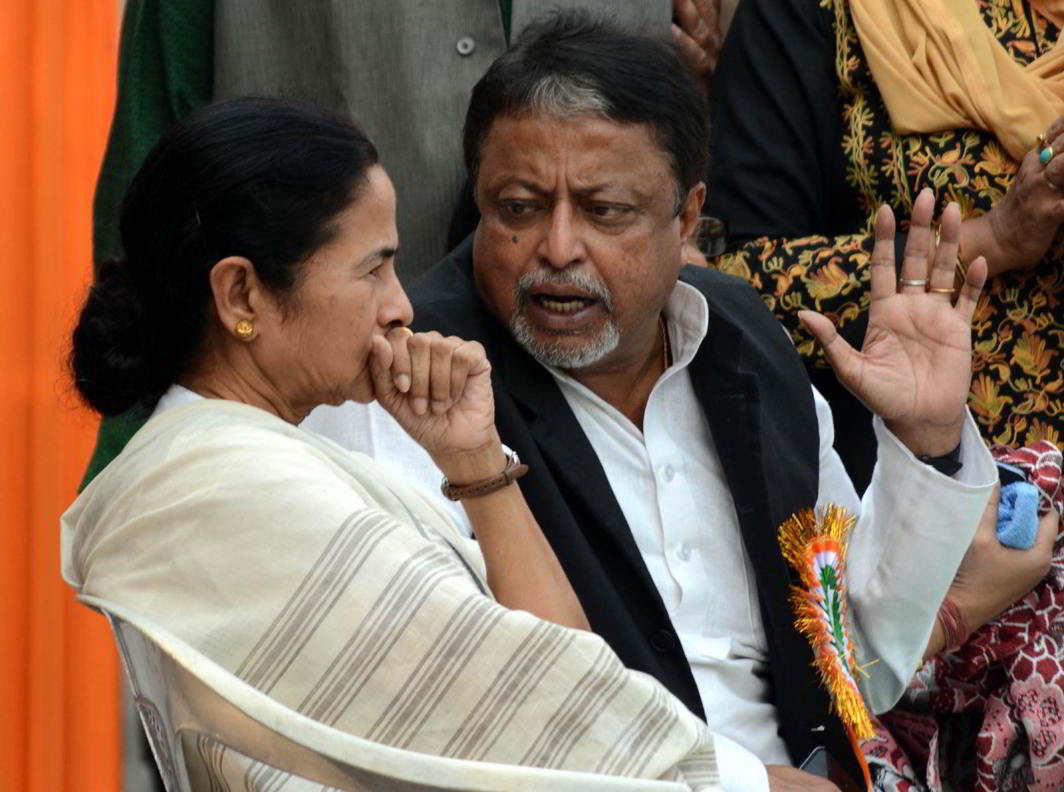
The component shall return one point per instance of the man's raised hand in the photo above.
(915, 366)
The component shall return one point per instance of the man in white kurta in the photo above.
(668, 480)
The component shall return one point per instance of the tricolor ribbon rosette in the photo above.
(814, 543)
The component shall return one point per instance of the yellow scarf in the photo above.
(939, 67)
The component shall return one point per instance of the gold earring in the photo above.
(244, 330)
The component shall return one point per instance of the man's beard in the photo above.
(555, 352)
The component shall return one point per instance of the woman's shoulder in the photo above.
(225, 427)
(222, 466)
(214, 448)
(226, 453)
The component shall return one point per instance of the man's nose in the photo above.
(563, 244)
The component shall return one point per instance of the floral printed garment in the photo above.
(1017, 392)
(989, 717)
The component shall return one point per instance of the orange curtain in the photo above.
(59, 721)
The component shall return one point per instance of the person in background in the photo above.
(259, 282)
(823, 111)
(667, 421)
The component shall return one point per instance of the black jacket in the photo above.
(759, 407)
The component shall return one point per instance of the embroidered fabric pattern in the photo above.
(989, 716)
(1017, 392)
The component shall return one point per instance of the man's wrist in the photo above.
(946, 464)
(929, 443)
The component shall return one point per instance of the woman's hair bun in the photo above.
(112, 344)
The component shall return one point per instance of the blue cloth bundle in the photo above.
(1018, 515)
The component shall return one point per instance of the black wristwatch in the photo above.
(947, 464)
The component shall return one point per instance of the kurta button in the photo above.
(466, 45)
(663, 641)
(684, 552)
(669, 472)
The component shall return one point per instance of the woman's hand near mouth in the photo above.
(439, 390)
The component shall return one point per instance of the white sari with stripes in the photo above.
(323, 579)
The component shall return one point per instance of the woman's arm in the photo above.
(447, 406)
(523, 572)
(993, 577)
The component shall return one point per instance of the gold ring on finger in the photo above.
(941, 290)
(1042, 141)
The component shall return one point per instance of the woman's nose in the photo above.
(396, 308)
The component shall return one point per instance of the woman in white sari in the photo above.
(259, 283)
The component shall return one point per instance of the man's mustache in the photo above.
(587, 285)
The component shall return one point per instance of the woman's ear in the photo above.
(237, 293)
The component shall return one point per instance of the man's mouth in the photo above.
(565, 304)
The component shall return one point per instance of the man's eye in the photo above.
(608, 211)
(519, 208)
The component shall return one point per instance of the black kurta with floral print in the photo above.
(804, 153)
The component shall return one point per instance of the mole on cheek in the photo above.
(514, 239)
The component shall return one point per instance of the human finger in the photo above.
(988, 522)
(691, 52)
(397, 338)
(1048, 164)
(1053, 170)
(419, 345)
(970, 289)
(440, 356)
(914, 260)
(1046, 537)
(685, 14)
(1055, 128)
(944, 271)
(380, 368)
(884, 277)
(841, 356)
(466, 355)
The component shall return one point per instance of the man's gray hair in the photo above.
(571, 63)
(562, 96)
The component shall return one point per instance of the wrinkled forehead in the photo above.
(577, 151)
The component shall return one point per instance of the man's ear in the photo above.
(236, 292)
(691, 210)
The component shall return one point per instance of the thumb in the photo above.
(840, 354)
(1048, 527)
(988, 522)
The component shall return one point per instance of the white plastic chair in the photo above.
(209, 730)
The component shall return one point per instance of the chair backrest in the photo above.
(210, 730)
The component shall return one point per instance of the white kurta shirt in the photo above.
(913, 529)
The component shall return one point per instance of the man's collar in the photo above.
(687, 317)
